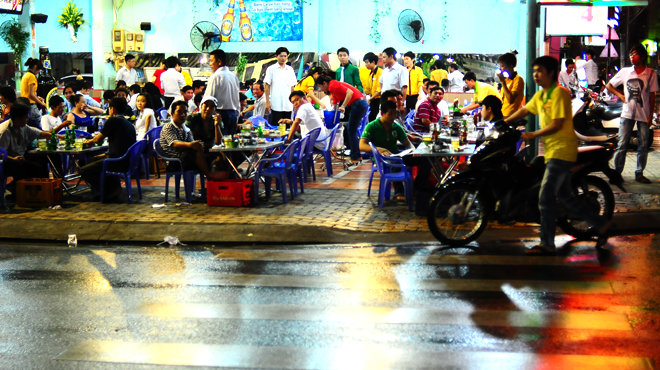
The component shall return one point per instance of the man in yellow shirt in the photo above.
(438, 73)
(416, 76)
(372, 87)
(481, 90)
(513, 86)
(553, 106)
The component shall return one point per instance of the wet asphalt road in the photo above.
(330, 306)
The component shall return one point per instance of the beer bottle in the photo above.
(228, 22)
(244, 23)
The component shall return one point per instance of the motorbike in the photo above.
(499, 185)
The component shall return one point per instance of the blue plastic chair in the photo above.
(296, 168)
(326, 152)
(150, 136)
(133, 156)
(387, 176)
(331, 118)
(188, 175)
(307, 152)
(161, 113)
(277, 167)
(257, 120)
(3, 178)
(79, 134)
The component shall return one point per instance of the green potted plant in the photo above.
(71, 19)
(16, 37)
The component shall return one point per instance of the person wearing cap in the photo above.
(481, 91)
(206, 125)
(223, 85)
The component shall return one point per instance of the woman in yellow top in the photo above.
(306, 85)
(437, 72)
(513, 86)
(372, 87)
(29, 90)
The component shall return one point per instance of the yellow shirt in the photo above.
(516, 86)
(305, 85)
(563, 143)
(28, 79)
(187, 78)
(439, 75)
(416, 79)
(372, 86)
(482, 90)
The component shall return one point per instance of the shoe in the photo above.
(641, 179)
(540, 250)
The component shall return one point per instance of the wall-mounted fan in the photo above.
(411, 25)
(205, 36)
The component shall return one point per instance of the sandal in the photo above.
(540, 250)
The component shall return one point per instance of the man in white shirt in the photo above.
(395, 76)
(279, 82)
(640, 85)
(224, 86)
(455, 77)
(304, 116)
(171, 81)
(568, 78)
(591, 68)
(187, 96)
(53, 121)
(127, 73)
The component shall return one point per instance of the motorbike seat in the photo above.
(595, 138)
(608, 111)
(591, 153)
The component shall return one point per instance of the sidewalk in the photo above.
(332, 210)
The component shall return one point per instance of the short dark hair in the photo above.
(453, 66)
(436, 88)
(425, 80)
(390, 52)
(220, 56)
(508, 59)
(433, 83)
(495, 104)
(121, 89)
(390, 94)
(470, 76)
(410, 55)
(198, 83)
(589, 52)
(121, 83)
(281, 50)
(19, 110)
(69, 86)
(171, 62)
(135, 88)
(370, 57)
(75, 98)
(550, 64)
(108, 94)
(9, 93)
(241, 96)
(119, 104)
(343, 49)
(568, 62)
(178, 103)
(641, 51)
(198, 98)
(315, 70)
(323, 79)
(55, 100)
(387, 106)
(186, 88)
(86, 84)
(445, 83)
(260, 83)
(129, 57)
(296, 93)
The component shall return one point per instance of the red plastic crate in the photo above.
(229, 193)
(38, 193)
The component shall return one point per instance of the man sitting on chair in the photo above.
(384, 133)
(305, 117)
(176, 141)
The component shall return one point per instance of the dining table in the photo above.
(252, 153)
(72, 160)
(453, 155)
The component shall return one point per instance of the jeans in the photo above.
(557, 184)
(229, 121)
(358, 110)
(625, 130)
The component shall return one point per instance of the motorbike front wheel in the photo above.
(598, 196)
(457, 215)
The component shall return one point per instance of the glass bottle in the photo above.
(228, 22)
(244, 23)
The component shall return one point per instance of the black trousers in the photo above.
(374, 108)
(31, 167)
(168, 101)
(411, 101)
(91, 173)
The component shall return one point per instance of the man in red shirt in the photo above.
(347, 96)
(428, 112)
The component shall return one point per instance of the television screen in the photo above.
(11, 6)
(575, 20)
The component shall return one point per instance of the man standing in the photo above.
(553, 106)
(171, 81)
(223, 85)
(347, 72)
(279, 82)
(127, 73)
(481, 90)
(455, 78)
(591, 68)
(259, 106)
(121, 135)
(372, 87)
(177, 141)
(568, 78)
(513, 86)
(429, 112)
(415, 80)
(640, 84)
(395, 76)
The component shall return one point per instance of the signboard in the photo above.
(575, 20)
(260, 20)
(11, 6)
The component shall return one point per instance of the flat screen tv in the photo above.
(11, 6)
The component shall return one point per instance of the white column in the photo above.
(102, 23)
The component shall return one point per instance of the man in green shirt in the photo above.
(347, 72)
(384, 133)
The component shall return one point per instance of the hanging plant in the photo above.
(16, 37)
(382, 8)
(240, 65)
(71, 19)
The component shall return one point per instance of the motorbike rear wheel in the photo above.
(457, 215)
(598, 196)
